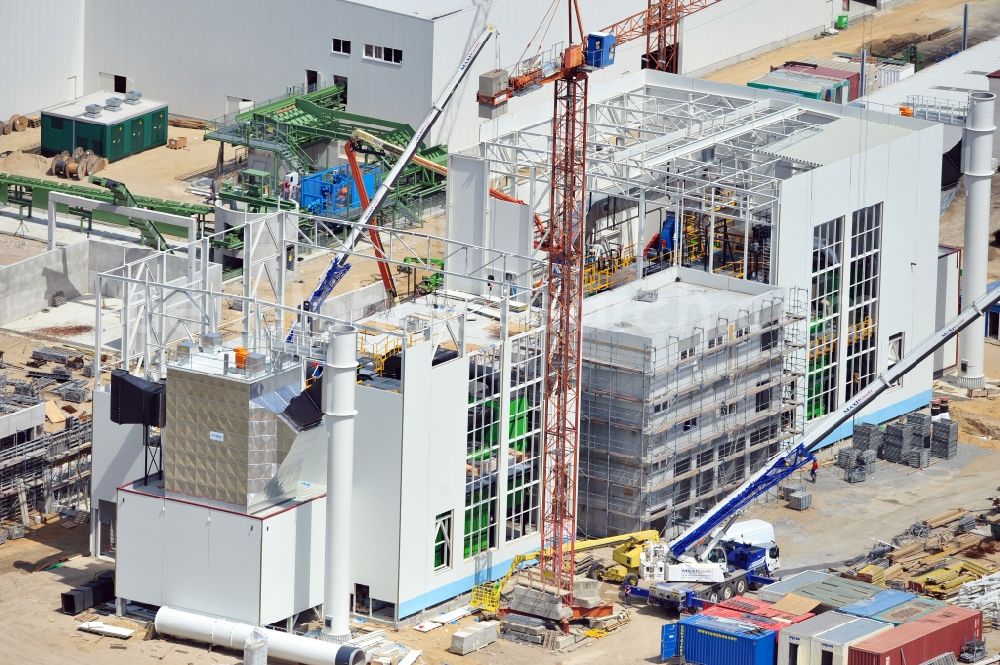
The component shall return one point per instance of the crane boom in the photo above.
(785, 463)
(339, 266)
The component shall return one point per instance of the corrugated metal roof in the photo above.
(910, 610)
(853, 631)
(838, 591)
(880, 602)
(826, 144)
(818, 624)
(949, 80)
(778, 590)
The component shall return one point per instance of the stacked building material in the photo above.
(518, 628)
(897, 443)
(919, 458)
(921, 423)
(473, 638)
(944, 439)
(801, 500)
(846, 457)
(856, 474)
(867, 437)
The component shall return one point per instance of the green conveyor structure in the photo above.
(33, 193)
(288, 125)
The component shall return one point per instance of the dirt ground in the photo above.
(920, 17)
(16, 248)
(159, 172)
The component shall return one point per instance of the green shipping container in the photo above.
(111, 131)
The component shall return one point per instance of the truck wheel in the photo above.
(713, 597)
(727, 592)
(741, 586)
(597, 572)
(631, 580)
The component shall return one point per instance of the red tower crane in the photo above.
(564, 304)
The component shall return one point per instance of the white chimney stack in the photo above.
(977, 167)
(339, 381)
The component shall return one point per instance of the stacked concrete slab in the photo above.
(473, 638)
(519, 628)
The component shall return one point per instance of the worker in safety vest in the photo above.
(813, 469)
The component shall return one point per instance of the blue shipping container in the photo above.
(880, 602)
(668, 641)
(712, 641)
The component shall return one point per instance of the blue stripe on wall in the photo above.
(918, 401)
(452, 589)
(458, 587)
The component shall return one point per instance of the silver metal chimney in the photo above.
(339, 381)
(977, 167)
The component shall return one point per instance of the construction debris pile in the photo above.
(934, 557)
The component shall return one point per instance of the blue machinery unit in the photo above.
(332, 193)
(787, 462)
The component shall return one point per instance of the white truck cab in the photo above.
(759, 534)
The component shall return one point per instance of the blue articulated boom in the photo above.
(787, 462)
(339, 266)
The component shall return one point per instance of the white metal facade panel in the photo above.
(188, 556)
(234, 567)
(419, 466)
(139, 548)
(737, 30)
(42, 49)
(513, 231)
(291, 561)
(375, 508)
(116, 456)
(948, 277)
(139, 39)
(904, 175)
(467, 192)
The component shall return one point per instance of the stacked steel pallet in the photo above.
(867, 436)
(944, 439)
(921, 423)
(898, 442)
(919, 458)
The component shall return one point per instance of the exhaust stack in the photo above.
(977, 167)
(339, 380)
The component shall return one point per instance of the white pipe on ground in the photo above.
(339, 381)
(232, 635)
(977, 163)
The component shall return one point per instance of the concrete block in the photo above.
(475, 637)
(562, 641)
(538, 603)
(586, 587)
(537, 631)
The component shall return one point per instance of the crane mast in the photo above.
(564, 331)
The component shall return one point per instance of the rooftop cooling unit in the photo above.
(93, 110)
(133, 97)
(113, 104)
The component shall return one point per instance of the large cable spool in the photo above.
(20, 123)
(4, 128)
(72, 168)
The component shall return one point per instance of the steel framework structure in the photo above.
(564, 332)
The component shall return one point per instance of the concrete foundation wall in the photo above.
(28, 286)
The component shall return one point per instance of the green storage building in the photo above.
(113, 126)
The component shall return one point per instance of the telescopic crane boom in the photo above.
(787, 462)
(339, 266)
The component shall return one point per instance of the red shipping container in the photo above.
(942, 631)
(853, 78)
(758, 612)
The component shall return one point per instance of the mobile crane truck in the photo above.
(700, 564)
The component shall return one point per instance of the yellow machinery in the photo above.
(626, 565)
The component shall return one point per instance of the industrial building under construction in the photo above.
(401, 359)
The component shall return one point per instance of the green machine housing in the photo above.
(110, 126)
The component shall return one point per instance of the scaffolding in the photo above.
(673, 421)
(659, 153)
(38, 470)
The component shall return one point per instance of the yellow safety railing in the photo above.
(824, 344)
(603, 274)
